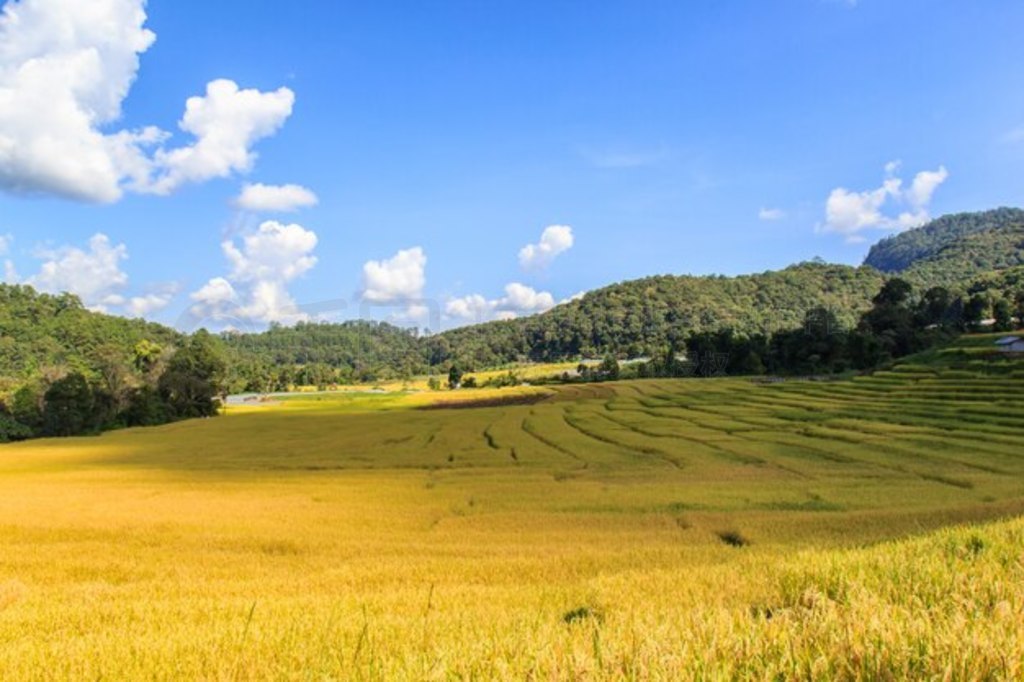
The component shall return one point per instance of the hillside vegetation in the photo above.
(65, 370)
(40, 332)
(954, 247)
(660, 529)
(644, 317)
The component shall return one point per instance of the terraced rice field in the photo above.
(652, 529)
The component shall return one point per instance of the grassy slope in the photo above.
(391, 542)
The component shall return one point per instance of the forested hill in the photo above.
(40, 332)
(644, 316)
(349, 352)
(953, 248)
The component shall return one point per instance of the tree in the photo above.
(68, 407)
(934, 307)
(145, 355)
(145, 408)
(891, 320)
(895, 292)
(609, 368)
(454, 377)
(1002, 312)
(194, 378)
(12, 430)
(434, 384)
(974, 311)
(27, 407)
(116, 374)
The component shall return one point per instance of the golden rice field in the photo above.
(663, 529)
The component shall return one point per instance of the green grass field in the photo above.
(659, 529)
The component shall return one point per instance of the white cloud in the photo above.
(261, 267)
(5, 243)
(575, 297)
(215, 293)
(93, 274)
(147, 304)
(226, 122)
(555, 240)
(850, 213)
(519, 299)
(400, 278)
(925, 183)
(275, 198)
(274, 251)
(66, 67)
(472, 307)
(771, 214)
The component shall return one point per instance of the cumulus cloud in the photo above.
(93, 274)
(519, 299)
(400, 278)
(888, 207)
(67, 66)
(472, 307)
(214, 294)
(555, 240)
(147, 304)
(771, 214)
(275, 198)
(274, 251)
(262, 265)
(226, 122)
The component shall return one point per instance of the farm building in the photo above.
(1011, 344)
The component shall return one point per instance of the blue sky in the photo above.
(440, 139)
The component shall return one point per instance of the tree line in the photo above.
(898, 324)
(150, 386)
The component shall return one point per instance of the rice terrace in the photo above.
(660, 528)
(648, 340)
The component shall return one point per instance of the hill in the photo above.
(312, 353)
(645, 316)
(39, 332)
(953, 248)
(974, 256)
